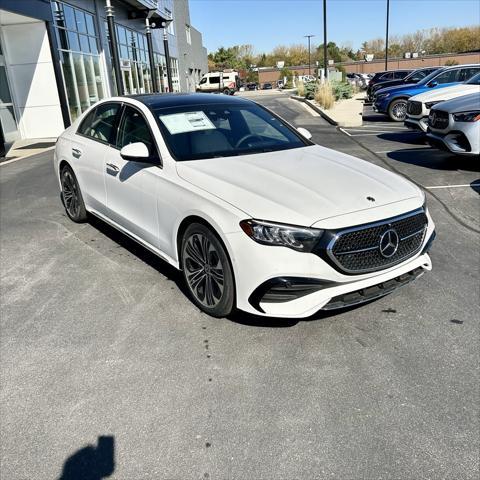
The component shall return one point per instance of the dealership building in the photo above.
(59, 57)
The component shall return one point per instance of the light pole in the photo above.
(165, 25)
(386, 36)
(151, 58)
(309, 56)
(113, 43)
(325, 56)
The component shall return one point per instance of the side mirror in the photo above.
(137, 151)
(304, 133)
(432, 84)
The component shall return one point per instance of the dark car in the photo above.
(251, 86)
(412, 77)
(386, 76)
(267, 86)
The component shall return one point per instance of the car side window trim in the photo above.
(115, 124)
(119, 123)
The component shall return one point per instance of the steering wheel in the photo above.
(246, 137)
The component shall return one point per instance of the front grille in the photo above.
(358, 250)
(414, 108)
(438, 119)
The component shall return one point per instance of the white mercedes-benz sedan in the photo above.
(253, 213)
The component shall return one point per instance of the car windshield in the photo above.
(475, 80)
(430, 77)
(223, 130)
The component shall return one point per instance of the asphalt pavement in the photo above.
(106, 367)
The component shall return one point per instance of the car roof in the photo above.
(166, 100)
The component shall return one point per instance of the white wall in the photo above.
(32, 79)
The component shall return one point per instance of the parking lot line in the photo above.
(454, 186)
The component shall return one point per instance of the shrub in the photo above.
(310, 89)
(342, 90)
(324, 95)
(300, 88)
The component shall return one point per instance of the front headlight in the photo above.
(276, 234)
(473, 116)
(429, 105)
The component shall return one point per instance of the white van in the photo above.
(219, 82)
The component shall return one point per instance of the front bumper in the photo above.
(313, 282)
(454, 141)
(417, 124)
(380, 106)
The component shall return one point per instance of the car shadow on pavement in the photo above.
(438, 161)
(405, 136)
(142, 253)
(91, 462)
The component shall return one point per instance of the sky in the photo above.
(267, 23)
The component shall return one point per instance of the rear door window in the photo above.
(467, 73)
(100, 123)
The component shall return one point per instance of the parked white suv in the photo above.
(455, 125)
(253, 213)
(418, 106)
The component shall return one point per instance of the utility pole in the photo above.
(325, 55)
(386, 36)
(309, 55)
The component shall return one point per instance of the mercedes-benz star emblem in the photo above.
(389, 243)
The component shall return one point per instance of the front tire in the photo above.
(72, 196)
(207, 271)
(397, 110)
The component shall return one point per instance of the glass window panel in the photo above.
(62, 38)
(70, 84)
(90, 24)
(9, 124)
(124, 52)
(73, 41)
(80, 21)
(84, 43)
(100, 125)
(90, 76)
(81, 77)
(98, 77)
(122, 37)
(4, 90)
(93, 44)
(58, 15)
(69, 15)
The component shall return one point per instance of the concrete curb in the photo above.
(321, 112)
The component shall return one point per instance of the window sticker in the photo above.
(186, 122)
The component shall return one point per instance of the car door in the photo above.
(132, 186)
(88, 148)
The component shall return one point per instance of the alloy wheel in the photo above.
(203, 270)
(70, 194)
(399, 110)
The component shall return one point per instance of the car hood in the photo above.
(461, 104)
(299, 186)
(446, 93)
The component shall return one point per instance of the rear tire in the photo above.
(72, 196)
(207, 271)
(226, 91)
(397, 110)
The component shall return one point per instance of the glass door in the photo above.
(8, 122)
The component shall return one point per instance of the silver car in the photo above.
(454, 125)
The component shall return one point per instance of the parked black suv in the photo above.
(386, 76)
(412, 77)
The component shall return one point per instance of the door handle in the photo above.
(76, 152)
(113, 167)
